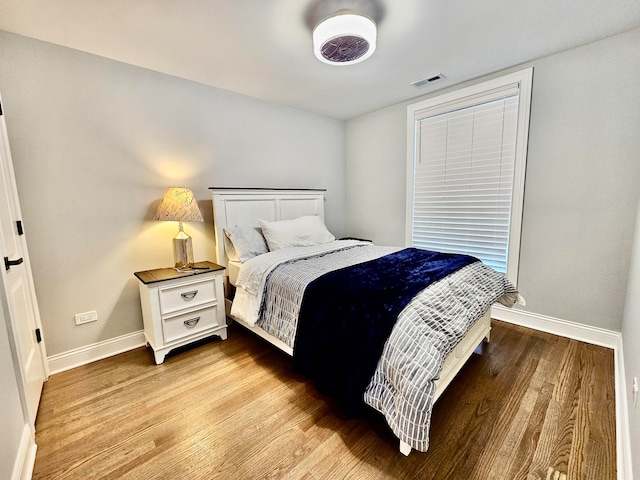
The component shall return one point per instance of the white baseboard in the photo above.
(97, 351)
(623, 437)
(595, 336)
(26, 456)
(563, 328)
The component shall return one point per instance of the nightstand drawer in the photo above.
(173, 299)
(180, 326)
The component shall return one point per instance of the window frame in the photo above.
(453, 100)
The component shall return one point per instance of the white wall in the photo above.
(581, 189)
(631, 346)
(376, 175)
(94, 144)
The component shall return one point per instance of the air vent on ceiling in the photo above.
(428, 80)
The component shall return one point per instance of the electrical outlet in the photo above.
(634, 389)
(86, 317)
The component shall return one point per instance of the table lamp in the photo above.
(179, 205)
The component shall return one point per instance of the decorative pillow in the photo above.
(228, 248)
(242, 243)
(299, 232)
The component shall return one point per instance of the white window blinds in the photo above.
(463, 175)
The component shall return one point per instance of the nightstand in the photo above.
(181, 307)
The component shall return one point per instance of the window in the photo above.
(465, 170)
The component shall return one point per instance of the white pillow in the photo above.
(299, 232)
(242, 243)
(228, 248)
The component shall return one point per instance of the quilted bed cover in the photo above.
(402, 387)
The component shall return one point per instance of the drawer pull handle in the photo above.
(189, 295)
(191, 323)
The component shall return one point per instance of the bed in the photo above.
(264, 292)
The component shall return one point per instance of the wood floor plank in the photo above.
(567, 395)
(550, 428)
(513, 413)
(516, 423)
(599, 423)
(481, 408)
(527, 405)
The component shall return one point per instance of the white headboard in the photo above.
(245, 206)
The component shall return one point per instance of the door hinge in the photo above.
(38, 335)
(20, 229)
(0, 108)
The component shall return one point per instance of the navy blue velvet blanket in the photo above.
(347, 315)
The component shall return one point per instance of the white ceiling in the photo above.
(262, 48)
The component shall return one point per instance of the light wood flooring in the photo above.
(529, 405)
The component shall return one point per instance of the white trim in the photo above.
(563, 328)
(26, 456)
(595, 336)
(465, 96)
(97, 351)
(623, 438)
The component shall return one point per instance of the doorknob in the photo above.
(10, 263)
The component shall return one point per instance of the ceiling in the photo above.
(262, 48)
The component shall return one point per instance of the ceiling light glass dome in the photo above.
(344, 39)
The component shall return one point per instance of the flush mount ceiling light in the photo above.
(344, 38)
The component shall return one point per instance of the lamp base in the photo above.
(182, 250)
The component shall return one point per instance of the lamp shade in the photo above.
(344, 38)
(179, 205)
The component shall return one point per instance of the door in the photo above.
(24, 324)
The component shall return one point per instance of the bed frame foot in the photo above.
(487, 337)
(405, 448)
